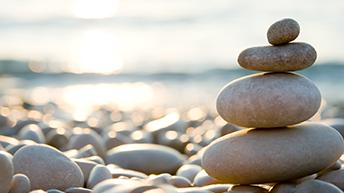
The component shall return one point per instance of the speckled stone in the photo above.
(47, 168)
(254, 156)
(288, 57)
(312, 186)
(283, 31)
(268, 100)
(6, 171)
(139, 157)
(20, 184)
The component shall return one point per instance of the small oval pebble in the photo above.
(86, 137)
(6, 171)
(20, 184)
(203, 179)
(289, 57)
(85, 166)
(57, 138)
(189, 171)
(335, 177)
(98, 174)
(32, 132)
(268, 100)
(47, 168)
(159, 179)
(139, 157)
(283, 31)
(240, 157)
(313, 186)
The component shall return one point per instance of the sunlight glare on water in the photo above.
(96, 51)
(82, 99)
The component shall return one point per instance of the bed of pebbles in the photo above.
(43, 149)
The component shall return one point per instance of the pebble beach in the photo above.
(270, 131)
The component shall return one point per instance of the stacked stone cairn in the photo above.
(279, 143)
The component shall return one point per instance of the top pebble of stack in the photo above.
(283, 31)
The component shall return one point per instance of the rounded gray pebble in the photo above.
(288, 57)
(283, 31)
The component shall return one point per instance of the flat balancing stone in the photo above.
(288, 57)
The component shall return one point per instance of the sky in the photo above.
(113, 36)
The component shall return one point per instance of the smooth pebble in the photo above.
(20, 184)
(288, 57)
(240, 157)
(139, 157)
(283, 31)
(268, 100)
(47, 167)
